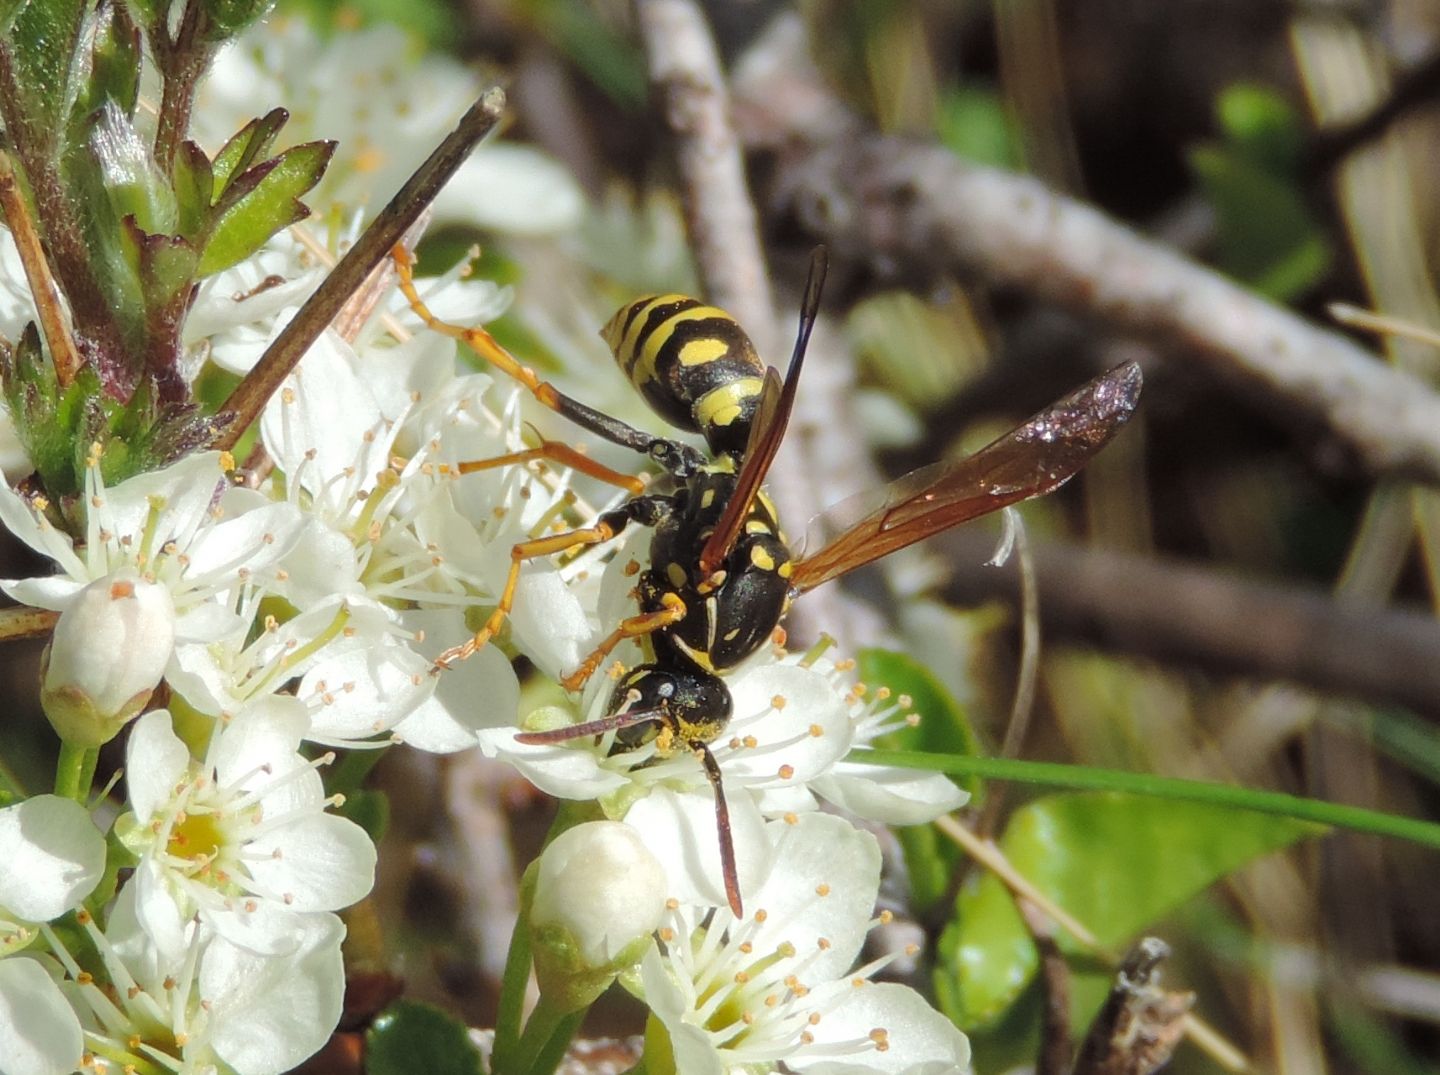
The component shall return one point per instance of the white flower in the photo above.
(51, 856)
(241, 839)
(388, 104)
(210, 1006)
(779, 988)
(168, 527)
(106, 657)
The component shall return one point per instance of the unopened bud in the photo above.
(106, 658)
(599, 895)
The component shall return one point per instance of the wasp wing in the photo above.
(767, 428)
(1031, 460)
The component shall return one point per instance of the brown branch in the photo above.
(1171, 611)
(1053, 1057)
(905, 205)
(1140, 1024)
(349, 275)
(724, 231)
(24, 622)
(46, 292)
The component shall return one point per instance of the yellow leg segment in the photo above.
(645, 623)
(565, 455)
(525, 550)
(475, 337)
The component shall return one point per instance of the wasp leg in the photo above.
(680, 459)
(645, 623)
(646, 510)
(565, 455)
(722, 827)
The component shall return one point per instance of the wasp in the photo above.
(721, 574)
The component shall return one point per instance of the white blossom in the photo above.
(240, 838)
(780, 986)
(388, 104)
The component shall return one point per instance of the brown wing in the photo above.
(1031, 460)
(767, 428)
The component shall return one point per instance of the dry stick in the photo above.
(23, 622)
(1053, 1057)
(48, 303)
(724, 231)
(349, 275)
(901, 202)
(1170, 610)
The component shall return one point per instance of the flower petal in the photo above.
(39, 1031)
(679, 827)
(52, 856)
(919, 1040)
(893, 796)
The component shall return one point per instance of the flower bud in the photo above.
(599, 895)
(106, 658)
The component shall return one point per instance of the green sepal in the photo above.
(260, 202)
(246, 147)
(567, 981)
(133, 184)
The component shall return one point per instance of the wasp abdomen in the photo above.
(693, 363)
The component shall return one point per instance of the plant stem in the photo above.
(547, 1035)
(513, 984)
(1161, 787)
(74, 771)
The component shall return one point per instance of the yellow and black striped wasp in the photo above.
(721, 575)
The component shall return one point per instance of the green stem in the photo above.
(1161, 787)
(74, 771)
(547, 1035)
(513, 983)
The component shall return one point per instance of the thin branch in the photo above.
(908, 207)
(1222, 622)
(23, 622)
(1053, 1057)
(724, 231)
(349, 275)
(46, 291)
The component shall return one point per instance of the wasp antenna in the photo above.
(612, 723)
(722, 827)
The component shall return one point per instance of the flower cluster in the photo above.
(243, 625)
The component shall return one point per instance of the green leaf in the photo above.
(9, 9)
(246, 147)
(1116, 862)
(1261, 126)
(1267, 237)
(943, 728)
(266, 199)
(974, 123)
(410, 1037)
(194, 185)
(228, 17)
(114, 64)
(42, 42)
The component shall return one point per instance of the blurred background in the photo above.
(1241, 588)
